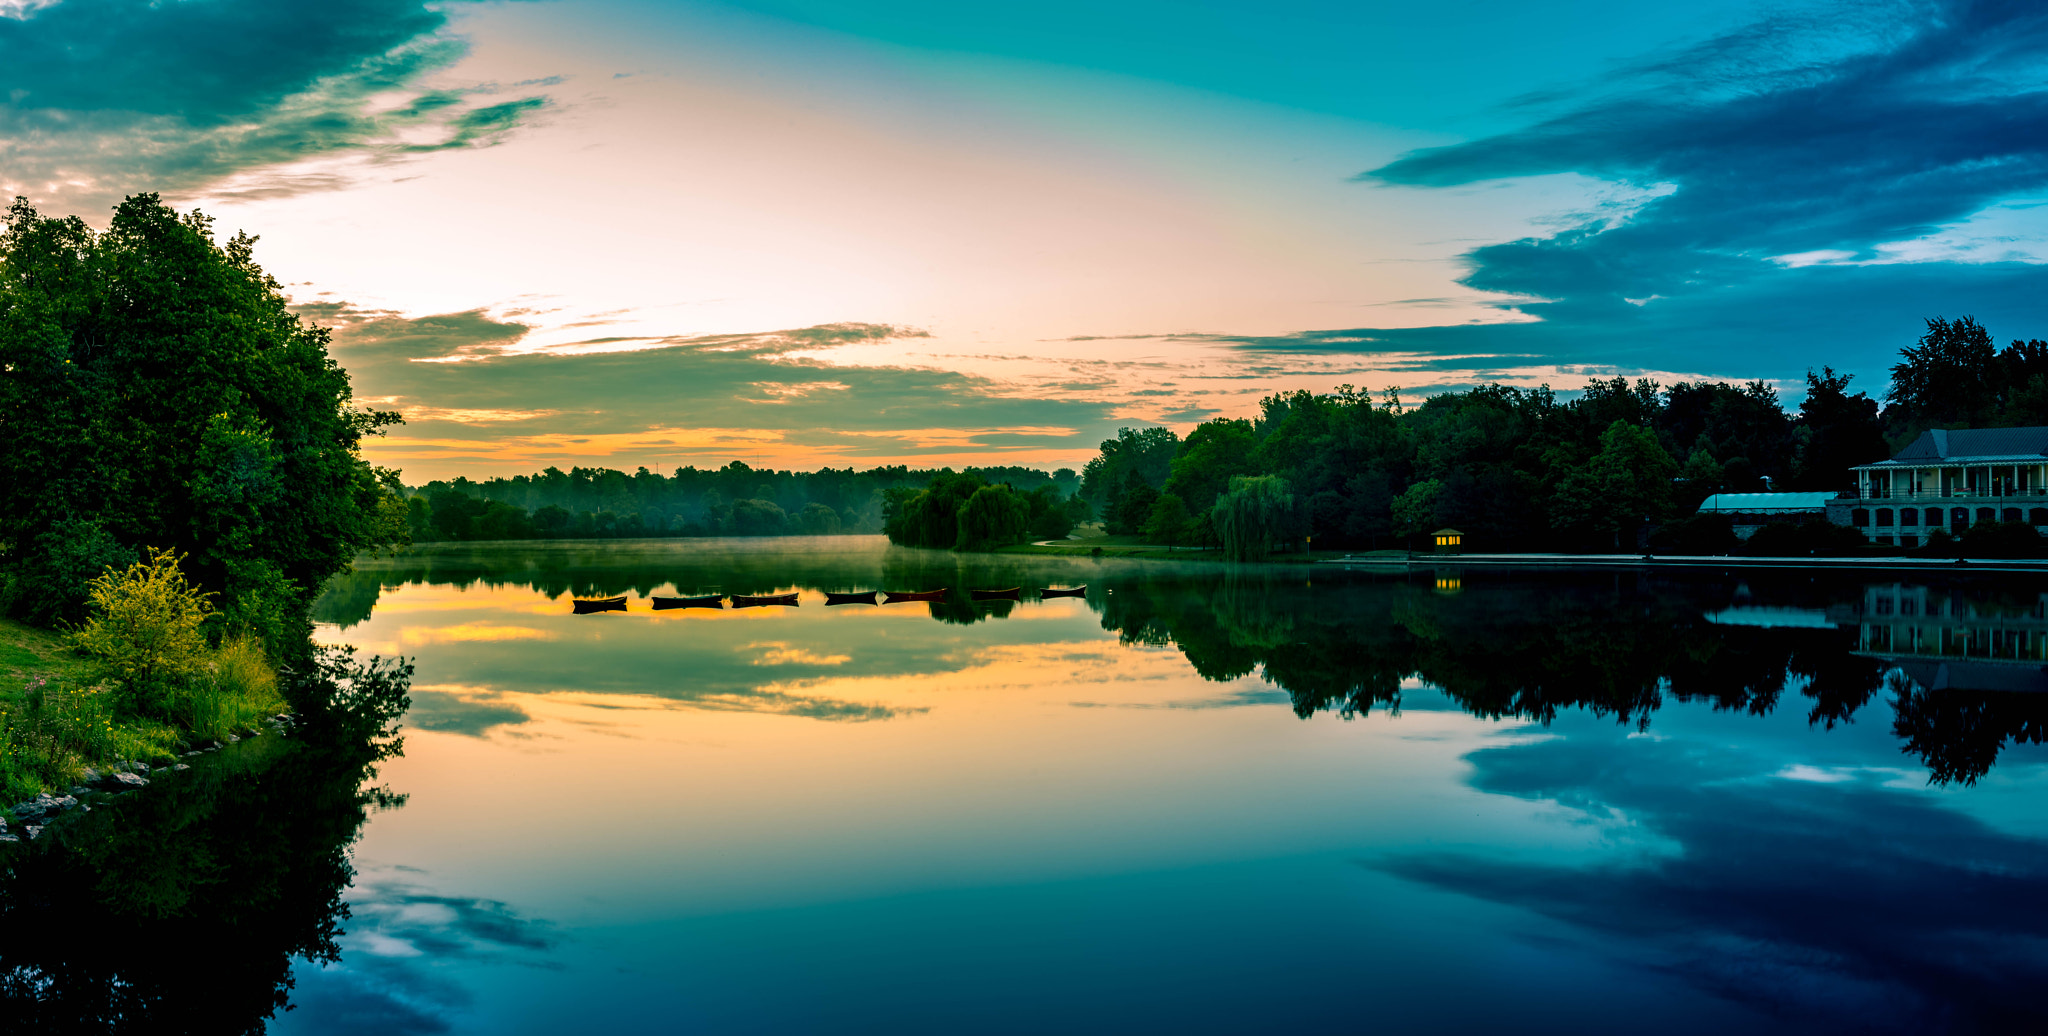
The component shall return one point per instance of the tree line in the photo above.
(1522, 469)
(734, 500)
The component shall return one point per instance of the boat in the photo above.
(1012, 594)
(787, 600)
(1072, 591)
(706, 601)
(893, 596)
(863, 597)
(607, 604)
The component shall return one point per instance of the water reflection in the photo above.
(180, 907)
(1961, 662)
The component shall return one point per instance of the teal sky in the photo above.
(806, 233)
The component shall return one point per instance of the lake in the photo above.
(1198, 800)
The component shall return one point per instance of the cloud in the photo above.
(1842, 906)
(100, 98)
(1846, 134)
(477, 388)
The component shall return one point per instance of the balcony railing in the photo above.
(1951, 493)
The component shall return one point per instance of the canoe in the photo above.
(1012, 594)
(1072, 591)
(893, 596)
(864, 597)
(787, 600)
(608, 604)
(706, 601)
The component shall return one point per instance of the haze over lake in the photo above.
(1197, 800)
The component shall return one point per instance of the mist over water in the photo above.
(1201, 798)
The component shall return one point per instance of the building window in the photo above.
(1909, 516)
(1884, 517)
(1859, 518)
(1986, 514)
(2010, 514)
(1959, 518)
(1934, 517)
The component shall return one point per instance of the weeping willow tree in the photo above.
(1256, 512)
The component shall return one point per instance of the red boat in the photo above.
(1012, 594)
(1072, 591)
(707, 601)
(608, 604)
(787, 600)
(893, 596)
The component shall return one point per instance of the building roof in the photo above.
(1767, 503)
(1972, 445)
(1447, 532)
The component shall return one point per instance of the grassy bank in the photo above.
(63, 712)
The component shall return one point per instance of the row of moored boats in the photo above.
(585, 606)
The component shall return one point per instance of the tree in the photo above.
(1256, 512)
(1836, 431)
(995, 516)
(1949, 379)
(753, 518)
(1626, 483)
(156, 389)
(1147, 454)
(1415, 508)
(1168, 522)
(930, 517)
(817, 519)
(1213, 453)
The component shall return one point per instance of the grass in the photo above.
(58, 711)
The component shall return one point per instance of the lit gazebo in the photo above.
(1449, 541)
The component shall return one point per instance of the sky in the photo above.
(800, 233)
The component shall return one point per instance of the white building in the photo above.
(1952, 479)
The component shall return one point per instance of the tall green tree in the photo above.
(156, 391)
(1627, 483)
(1949, 379)
(1255, 515)
(1836, 431)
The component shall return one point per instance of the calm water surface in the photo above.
(1197, 800)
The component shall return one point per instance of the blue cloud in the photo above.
(99, 98)
(1839, 133)
(1842, 907)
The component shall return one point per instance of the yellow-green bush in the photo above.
(145, 623)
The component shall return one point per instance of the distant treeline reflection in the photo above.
(1499, 645)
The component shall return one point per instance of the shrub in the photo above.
(235, 690)
(2000, 540)
(1695, 534)
(146, 625)
(1815, 537)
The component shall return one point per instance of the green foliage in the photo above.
(1214, 453)
(156, 388)
(995, 516)
(1813, 538)
(1695, 534)
(1415, 509)
(931, 517)
(1626, 483)
(1254, 515)
(1144, 455)
(1129, 506)
(758, 518)
(1837, 432)
(1169, 521)
(145, 624)
(816, 519)
(2000, 540)
(1053, 518)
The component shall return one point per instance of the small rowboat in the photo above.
(707, 601)
(608, 604)
(1072, 591)
(893, 596)
(787, 600)
(1012, 594)
(864, 597)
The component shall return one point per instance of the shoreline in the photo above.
(1897, 563)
